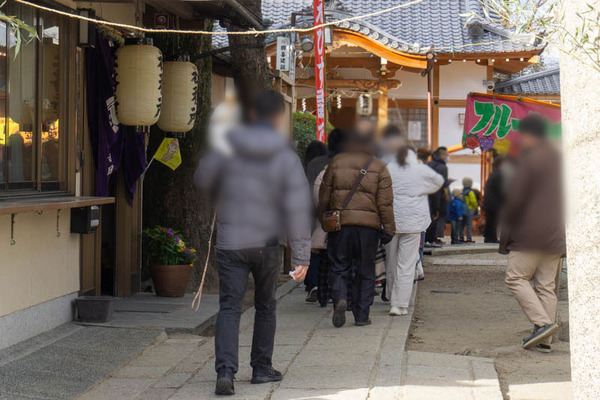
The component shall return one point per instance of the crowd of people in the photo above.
(401, 206)
(375, 205)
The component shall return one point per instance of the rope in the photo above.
(198, 297)
(251, 31)
(193, 32)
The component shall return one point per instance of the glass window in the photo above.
(52, 60)
(20, 144)
(32, 89)
(413, 122)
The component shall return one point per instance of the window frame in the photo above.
(404, 111)
(65, 177)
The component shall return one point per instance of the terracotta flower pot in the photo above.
(171, 280)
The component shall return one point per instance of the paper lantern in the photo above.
(180, 90)
(138, 73)
(364, 104)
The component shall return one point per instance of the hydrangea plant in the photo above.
(167, 247)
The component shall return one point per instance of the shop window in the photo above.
(413, 122)
(32, 102)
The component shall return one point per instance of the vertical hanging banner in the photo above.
(282, 59)
(319, 18)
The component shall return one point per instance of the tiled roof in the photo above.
(543, 82)
(440, 24)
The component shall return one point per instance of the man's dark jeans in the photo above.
(234, 268)
(353, 245)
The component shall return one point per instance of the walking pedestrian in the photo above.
(533, 230)
(455, 215)
(263, 200)
(492, 201)
(411, 183)
(335, 143)
(313, 150)
(472, 205)
(358, 187)
(438, 201)
(319, 259)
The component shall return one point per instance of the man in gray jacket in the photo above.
(263, 201)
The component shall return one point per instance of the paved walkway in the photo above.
(318, 362)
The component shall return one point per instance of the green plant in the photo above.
(17, 26)
(167, 247)
(305, 131)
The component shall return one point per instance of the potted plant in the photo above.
(171, 261)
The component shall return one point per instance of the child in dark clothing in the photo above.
(455, 214)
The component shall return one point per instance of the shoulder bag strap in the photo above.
(361, 175)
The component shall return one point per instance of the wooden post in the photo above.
(429, 109)
(382, 109)
(435, 119)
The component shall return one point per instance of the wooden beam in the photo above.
(362, 84)
(451, 103)
(465, 159)
(176, 7)
(382, 111)
(397, 57)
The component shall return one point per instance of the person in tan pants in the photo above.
(539, 300)
(533, 230)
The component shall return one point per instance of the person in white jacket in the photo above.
(411, 183)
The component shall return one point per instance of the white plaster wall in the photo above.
(40, 266)
(459, 78)
(459, 171)
(456, 81)
(414, 86)
(449, 128)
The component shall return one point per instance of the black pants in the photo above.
(431, 232)
(234, 268)
(490, 231)
(353, 245)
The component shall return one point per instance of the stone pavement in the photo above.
(64, 362)
(318, 362)
(171, 314)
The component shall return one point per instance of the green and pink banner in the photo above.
(491, 121)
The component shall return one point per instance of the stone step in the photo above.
(461, 262)
(458, 249)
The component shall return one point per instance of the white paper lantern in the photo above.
(138, 73)
(180, 90)
(364, 104)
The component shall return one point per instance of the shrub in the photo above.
(305, 131)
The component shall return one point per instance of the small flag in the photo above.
(168, 153)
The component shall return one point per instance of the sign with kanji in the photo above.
(319, 18)
(282, 60)
(491, 121)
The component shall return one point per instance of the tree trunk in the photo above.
(170, 198)
(581, 141)
(249, 59)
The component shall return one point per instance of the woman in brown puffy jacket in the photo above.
(367, 219)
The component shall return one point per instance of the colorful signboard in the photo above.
(491, 121)
(319, 18)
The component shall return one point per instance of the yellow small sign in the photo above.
(168, 153)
